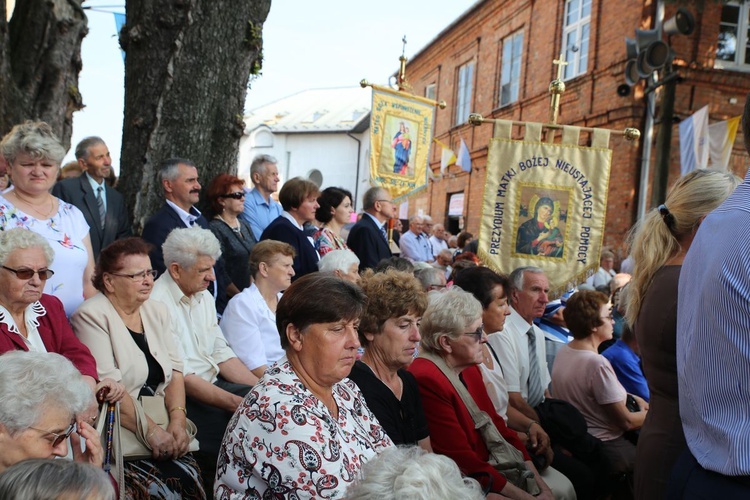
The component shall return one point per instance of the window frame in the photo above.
(464, 97)
(573, 68)
(742, 49)
(510, 41)
(430, 87)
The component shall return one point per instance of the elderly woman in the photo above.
(450, 350)
(342, 263)
(334, 210)
(389, 332)
(34, 321)
(34, 154)
(131, 338)
(226, 196)
(411, 472)
(249, 321)
(660, 242)
(304, 430)
(299, 199)
(48, 479)
(42, 397)
(586, 379)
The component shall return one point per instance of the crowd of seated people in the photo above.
(318, 373)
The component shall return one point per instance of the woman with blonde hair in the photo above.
(659, 245)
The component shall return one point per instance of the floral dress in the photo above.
(327, 241)
(65, 232)
(283, 443)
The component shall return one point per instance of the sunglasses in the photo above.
(235, 196)
(59, 438)
(477, 334)
(26, 274)
(138, 276)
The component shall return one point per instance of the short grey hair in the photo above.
(416, 217)
(258, 166)
(170, 169)
(50, 479)
(19, 238)
(516, 278)
(82, 148)
(371, 196)
(185, 245)
(448, 313)
(411, 472)
(430, 276)
(33, 382)
(337, 260)
(32, 138)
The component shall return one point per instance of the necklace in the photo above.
(44, 215)
(237, 230)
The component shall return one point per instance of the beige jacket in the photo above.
(98, 325)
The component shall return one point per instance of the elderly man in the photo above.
(444, 261)
(260, 209)
(369, 237)
(606, 270)
(414, 245)
(437, 240)
(215, 379)
(342, 263)
(102, 206)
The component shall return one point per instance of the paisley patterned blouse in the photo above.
(283, 443)
(326, 241)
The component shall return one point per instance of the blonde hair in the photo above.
(655, 239)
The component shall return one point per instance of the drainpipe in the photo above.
(356, 182)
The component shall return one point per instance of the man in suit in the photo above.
(368, 238)
(179, 180)
(103, 207)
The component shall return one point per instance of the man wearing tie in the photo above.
(368, 238)
(103, 207)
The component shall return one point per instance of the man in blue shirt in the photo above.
(713, 352)
(260, 209)
(414, 245)
(624, 358)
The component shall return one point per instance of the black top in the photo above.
(404, 420)
(235, 250)
(155, 372)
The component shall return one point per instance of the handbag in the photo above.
(135, 444)
(503, 457)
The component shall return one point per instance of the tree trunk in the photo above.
(187, 67)
(40, 58)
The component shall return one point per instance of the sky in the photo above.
(306, 45)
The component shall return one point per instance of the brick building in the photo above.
(496, 60)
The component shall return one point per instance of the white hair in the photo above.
(50, 479)
(33, 382)
(19, 238)
(337, 260)
(183, 246)
(410, 473)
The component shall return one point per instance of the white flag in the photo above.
(694, 141)
(722, 136)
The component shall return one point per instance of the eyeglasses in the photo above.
(235, 196)
(477, 334)
(138, 276)
(26, 274)
(59, 438)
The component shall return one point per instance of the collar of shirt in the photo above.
(95, 185)
(517, 323)
(375, 220)
(254, 193)
(187, 217)
(291, 219)
(33, 311)
(176, 292)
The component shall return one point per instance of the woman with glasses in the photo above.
(450, 350)
(33, 154)
(389, 333)
(585, 378)
(31, 320)
(334, 211)
(42, 401)
(131, 339)
(226, 195)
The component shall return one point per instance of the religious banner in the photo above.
(545, 204)
(400, 138)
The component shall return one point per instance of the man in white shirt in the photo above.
(605, 273)
(437, 240)
(215, 379)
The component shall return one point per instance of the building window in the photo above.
(732, 48)
(510, 78)
(577, 24)
(430, 91)
(463, 94)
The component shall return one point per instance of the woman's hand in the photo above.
(162, 443)
(114, 391)
(181, 439)
(94, 453)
